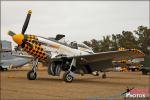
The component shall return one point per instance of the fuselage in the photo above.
(42, 45)
(63, 49)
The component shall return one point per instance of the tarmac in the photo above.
(15, 85)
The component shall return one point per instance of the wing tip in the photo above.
(136, 51)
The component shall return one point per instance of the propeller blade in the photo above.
(26, 22)
(10, 33)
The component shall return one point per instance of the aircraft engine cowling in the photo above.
(36, 51)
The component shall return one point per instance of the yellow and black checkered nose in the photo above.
(37, 50)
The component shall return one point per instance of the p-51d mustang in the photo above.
(60, 56)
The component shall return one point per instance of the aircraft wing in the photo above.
(15, 62)
(103, 60)
(23, 56)
(114, 55)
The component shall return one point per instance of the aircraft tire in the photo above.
(133, 70)
(5, 69)
(104, 76)
(67, 77)
(1, 68)
(54, 69)
(144, 72)
(57, 69)
(51, 67)
(31, 75)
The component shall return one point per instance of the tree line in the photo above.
(138, 39)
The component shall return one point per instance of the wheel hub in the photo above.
(69, 77)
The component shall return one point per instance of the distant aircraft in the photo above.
(61, 56)
(8, 60)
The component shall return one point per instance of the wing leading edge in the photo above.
(114, 55)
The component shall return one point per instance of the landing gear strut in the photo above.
(69, 75)
(31, 75)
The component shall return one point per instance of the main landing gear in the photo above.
(69, 75)
(31, 75)
(96, 73)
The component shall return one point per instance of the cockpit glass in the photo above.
(84, 46)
